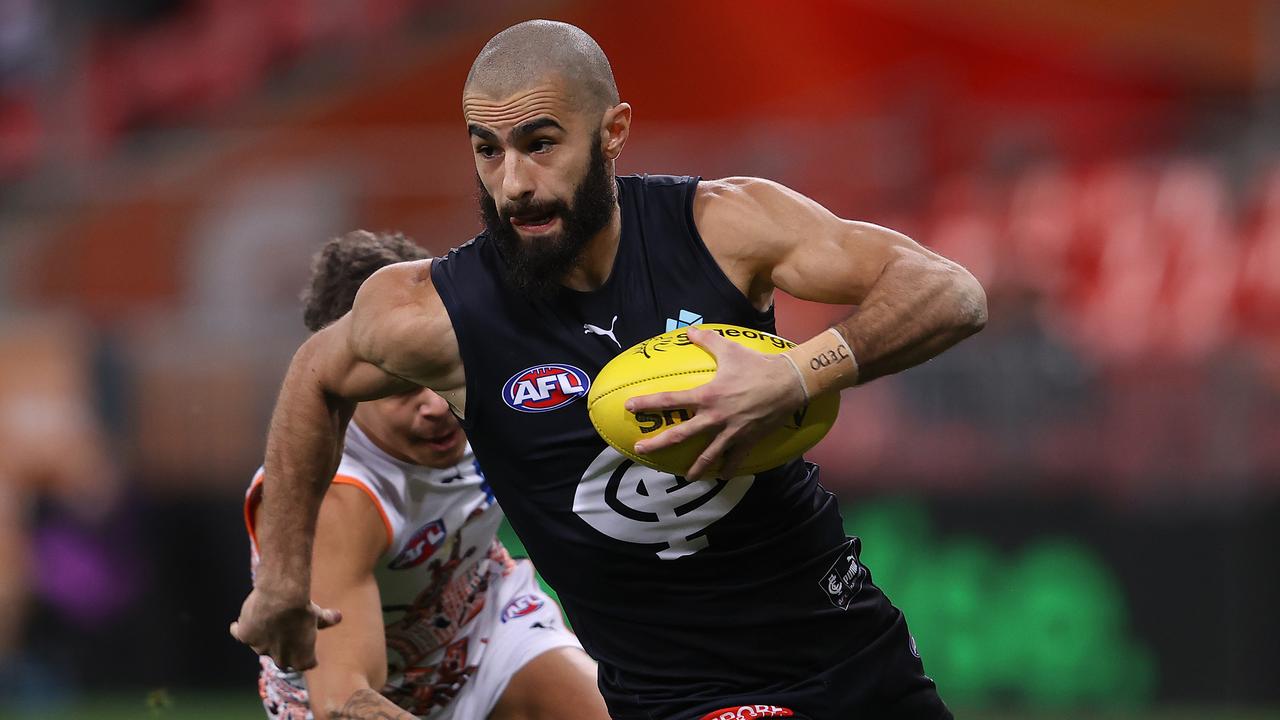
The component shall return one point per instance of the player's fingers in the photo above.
(676, 435)
(709, 340)
(670, 400)
(305, 662)
(708, 458)
(327, 617)
(296, 658)
(242, 634)
(733, 458)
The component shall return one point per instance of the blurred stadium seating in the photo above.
(1102, 462)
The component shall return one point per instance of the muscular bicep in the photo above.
(768, 235)
(839, 263)
(350, 537)
(334, 362)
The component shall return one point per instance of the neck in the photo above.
(596, 263)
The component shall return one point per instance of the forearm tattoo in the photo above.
(368, 704)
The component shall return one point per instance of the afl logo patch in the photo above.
(421, 546)
(545, 387)
(520, 606)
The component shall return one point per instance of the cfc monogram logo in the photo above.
(637, 504)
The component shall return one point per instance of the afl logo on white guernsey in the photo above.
(633, 503)
(520, 606)
(545, 387)
(420, 546)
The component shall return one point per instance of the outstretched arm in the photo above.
(350, 537)
(396, 335)
(912, 305)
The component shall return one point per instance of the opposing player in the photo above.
(710, 595)
(436, 615)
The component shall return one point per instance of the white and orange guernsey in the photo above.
(461, 616)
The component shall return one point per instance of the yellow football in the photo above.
(671, 361)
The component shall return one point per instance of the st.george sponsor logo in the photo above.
(520, 606)
(420, 546)
(661, 343)
(545, 387)
(748, 712)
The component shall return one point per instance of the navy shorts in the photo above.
(884, 679)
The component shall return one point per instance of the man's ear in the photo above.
(615, 126)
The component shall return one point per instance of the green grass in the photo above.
(154, 705)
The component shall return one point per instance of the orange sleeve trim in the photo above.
(254, 496)
(386, 522)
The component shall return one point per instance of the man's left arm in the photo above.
(911, 305)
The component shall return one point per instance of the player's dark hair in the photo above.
(342, 266)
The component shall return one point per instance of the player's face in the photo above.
(415, 426)
(545, 186)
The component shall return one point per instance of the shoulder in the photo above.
(399, 323)
(405, 284)
(747, 221)
(352, 517)
(727, 198)
(768, 215)
(368, 466)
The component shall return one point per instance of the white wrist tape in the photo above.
(799, 376)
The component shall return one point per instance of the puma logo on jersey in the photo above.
(589, 329)
(545, 387)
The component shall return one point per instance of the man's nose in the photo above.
(431, 406)
(517, 177)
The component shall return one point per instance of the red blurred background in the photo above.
(1109, 170)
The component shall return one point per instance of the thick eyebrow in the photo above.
(521, 131)
(534, 126)
(482, 133)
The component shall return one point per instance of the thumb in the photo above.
(327, 617)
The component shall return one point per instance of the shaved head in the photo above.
(536, 51)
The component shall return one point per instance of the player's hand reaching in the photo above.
(282, 630)
(751, 394)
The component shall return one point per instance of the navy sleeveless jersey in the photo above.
(682, 591)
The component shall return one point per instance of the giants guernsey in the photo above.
(441, 558)
(683, 591)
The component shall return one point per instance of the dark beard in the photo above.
(536, 268)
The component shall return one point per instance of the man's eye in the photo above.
(540, 145)
(486, 151)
